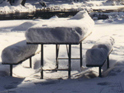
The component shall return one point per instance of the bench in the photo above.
(17, 53)
(99, 53)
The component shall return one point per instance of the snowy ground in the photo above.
(83, 80)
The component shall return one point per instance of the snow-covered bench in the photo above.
(99, 53)
(17, 53)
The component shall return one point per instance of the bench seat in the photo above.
(99, 53)
(17, 53)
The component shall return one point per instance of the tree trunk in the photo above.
(23, 2)
(12, 2)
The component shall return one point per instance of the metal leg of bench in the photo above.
(100, 73)
(81, 54)
(107, 62)
(69, 61)
(30, 59)
(42, 61)
(11, 68)
(57, 53)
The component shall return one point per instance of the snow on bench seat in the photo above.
(17, 52)
(97, 55)
(61, 30)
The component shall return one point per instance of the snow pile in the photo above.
(24, 26)
(6, 8)
(94, 3)
(112, 2)
(81, 15)
(61, 30)
(116, 17)
(30, 7)
(17, 52)
(20, 8)
(99, 52)
(54, 17)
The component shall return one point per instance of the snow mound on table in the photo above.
(99, 52)
(17, 52)
(54, 17)
(61, 30)
(80, 15)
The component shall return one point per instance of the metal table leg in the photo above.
(69, 61)
(81, 54)
(30, 59)
(11, 69)
(108, 62)
(57, 53)
(100, 73)
(42, 61)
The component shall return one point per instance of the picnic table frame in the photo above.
(57, 51)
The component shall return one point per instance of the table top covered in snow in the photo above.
(61, 30)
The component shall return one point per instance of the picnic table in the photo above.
(59, 31)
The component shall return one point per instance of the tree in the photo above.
(13, 1)
(42, 3)
(23, 2)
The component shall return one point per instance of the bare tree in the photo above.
(13, 1)
(23, 2)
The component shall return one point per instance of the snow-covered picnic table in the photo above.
(61, 31)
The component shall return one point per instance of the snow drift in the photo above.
(99, 52)
(6, 8)
(17, 52)
(61, 30)
(24, 26)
